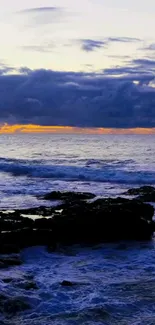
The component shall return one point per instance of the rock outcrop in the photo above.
(77, 221)
(144, 193)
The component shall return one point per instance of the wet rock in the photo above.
(28, 237)
(15, 305)
(82, 222)
(11, 222)
(143, 190)
(101, 221)
(10, 261)
(66, 283)
(3, 299)
(30, 286)
(109, 201)
(144, 193)
(7, 280)
(147, 197)
(27, 285)
(71, 196)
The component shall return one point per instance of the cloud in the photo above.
(151, 47)
(42, 48)
(41, 15)
(145, 62)
(39, 10)
(4, 69)
(136, 67)
(89, 45)
(106, 99)
(123, 40)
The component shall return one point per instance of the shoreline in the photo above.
(77, 249)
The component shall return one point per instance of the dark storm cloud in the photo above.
(89, 45)
(49, 97)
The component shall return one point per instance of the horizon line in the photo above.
(35, 128)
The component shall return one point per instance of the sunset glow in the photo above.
(31, 128)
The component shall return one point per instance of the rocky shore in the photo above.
(79, 218)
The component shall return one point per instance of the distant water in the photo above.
(104, 164)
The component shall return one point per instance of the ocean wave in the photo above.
(111, 172)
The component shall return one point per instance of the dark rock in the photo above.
(144, 193)
(141, 190)
(7, 280)
(30, 286)
(99, 222)
(81, 222)
(28, 237)
(10, 261)
(147, 197)
(66, 283)
(27, 285)
(9, 249)
(43, 223)
(71, 196)
(3, 299)
(15, 305)
(109, 201)
(9, 222)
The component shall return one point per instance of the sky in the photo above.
(86, 63)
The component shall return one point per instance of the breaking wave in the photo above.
(105, 172)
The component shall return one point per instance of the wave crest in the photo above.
(111, 172)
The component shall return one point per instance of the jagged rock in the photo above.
(82, 222)
(104, 222)
(141, 190)
(144, 193)
(71, 196)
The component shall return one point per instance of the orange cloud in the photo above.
(31, 128)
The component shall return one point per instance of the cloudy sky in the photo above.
(87, 63)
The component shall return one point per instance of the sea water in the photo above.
(113, 283)
(31, 165)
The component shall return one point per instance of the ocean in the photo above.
(31, 165)
(114, 283)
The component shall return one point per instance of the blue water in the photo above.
(115, 283)
(103, 164)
